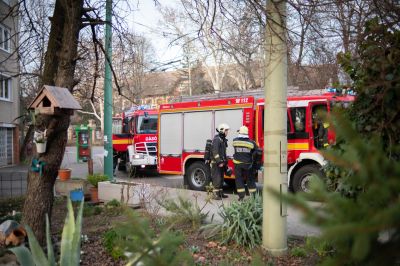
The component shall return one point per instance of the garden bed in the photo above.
(98, 219)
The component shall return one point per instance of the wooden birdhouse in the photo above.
(52, 100)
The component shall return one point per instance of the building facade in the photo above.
(9, 84)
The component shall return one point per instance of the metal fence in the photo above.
(13, 184)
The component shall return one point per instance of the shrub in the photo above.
(185, 212)
(298, 252)
(362, 229)
(137, 239)
(110, 239)
(11, 204)
(90, 210)
(242, 223)
(113, 208)
(96, 178)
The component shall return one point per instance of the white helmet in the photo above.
(243, 130)
(222, 127)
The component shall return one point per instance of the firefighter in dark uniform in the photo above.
(243, 161)
(219, 160)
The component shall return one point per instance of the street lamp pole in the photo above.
(108, 96)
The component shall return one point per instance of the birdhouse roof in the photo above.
(58, 96)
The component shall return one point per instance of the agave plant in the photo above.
(70, 243)
(242, 222)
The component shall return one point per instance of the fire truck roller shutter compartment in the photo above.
(171, 134)
(198, 128)
(171, 138)
(234, 118)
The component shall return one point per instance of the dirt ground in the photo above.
(204, 252)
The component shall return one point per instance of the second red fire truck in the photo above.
(184, 128)
(135, 139)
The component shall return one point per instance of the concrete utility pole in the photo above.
(108, 97)
(275, 132)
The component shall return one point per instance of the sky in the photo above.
(146, 20)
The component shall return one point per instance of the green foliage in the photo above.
(320, 246)
(109, 239)
(113, 203)
(70, 243)
(242, 223)
(362, 222)
(184, 212)
(96, 178)
(139, 243)
(113, 208)
(90, 210)
(8, 205)
(298, 252)
(362, 229)
(375, 72)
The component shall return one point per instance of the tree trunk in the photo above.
(59, 70)
(23, 154)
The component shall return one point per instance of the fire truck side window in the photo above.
(320, 125)
(125, 127)
(117, 126)
(298, 115)
(147, 125)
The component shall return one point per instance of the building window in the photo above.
(6, 146)
(5, 88)
(5, 38)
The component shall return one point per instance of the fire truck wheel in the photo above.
(132, 171)
(198, 176)
(121, 166)
(302, 177)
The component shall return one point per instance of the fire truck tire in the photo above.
(132, 171)
(121, 166)
(198, 176)
(302, 177)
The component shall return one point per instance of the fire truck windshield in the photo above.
(147, 124)
(117, 125)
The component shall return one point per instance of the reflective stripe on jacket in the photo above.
(244, 148)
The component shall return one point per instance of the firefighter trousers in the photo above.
(217, 176)
(244, 172)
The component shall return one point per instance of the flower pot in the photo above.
(64, 174)
(41, 147)
(76, 195)
(94, 193)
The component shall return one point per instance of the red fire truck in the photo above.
(184, 128)
(135, 138)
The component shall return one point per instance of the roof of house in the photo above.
(160, 83)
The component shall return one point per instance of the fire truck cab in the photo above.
(142, 152)
(184, 128)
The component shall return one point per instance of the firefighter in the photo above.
(243, 161)
(219, 160)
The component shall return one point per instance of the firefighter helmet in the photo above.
(243, 130)
(222, 128)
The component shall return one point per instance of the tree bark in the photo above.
(59, 70)
(23, 153)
